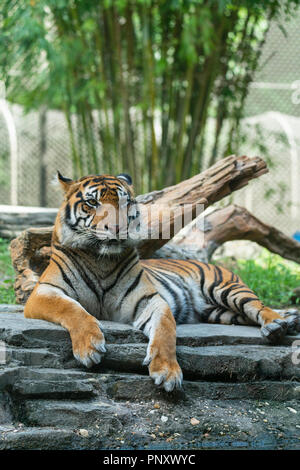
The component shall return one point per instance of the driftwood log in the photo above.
(31, 251)
(15, 219)
(237, 223)
(220, 180)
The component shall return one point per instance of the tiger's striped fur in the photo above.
(91, 278)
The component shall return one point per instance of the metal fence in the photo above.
(43, 148)
(33, 146)
(272, 127)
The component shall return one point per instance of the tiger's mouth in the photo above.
(110, 238)
(111, 247)
(105, 246)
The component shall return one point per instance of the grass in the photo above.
(270, 276)
(7, 274)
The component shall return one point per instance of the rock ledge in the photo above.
(242, 392)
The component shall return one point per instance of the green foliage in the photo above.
(7, 295)
(270, 276)
(136, 79)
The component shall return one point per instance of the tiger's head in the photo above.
(96, 213)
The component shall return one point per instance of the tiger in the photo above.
(95, 273)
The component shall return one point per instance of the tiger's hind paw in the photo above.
(292, 317)
(275, 330)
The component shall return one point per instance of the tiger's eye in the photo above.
(92, 202)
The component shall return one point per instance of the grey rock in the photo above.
(19, 331)
(56, 388)
(33, 438)
(231, 362)
(38, 374)
(9, 308)
(15, 329)
(8, 376)
(210, 362)
(120, 333)
(32, 357)
(77, 414)
(124, 357)
(240, 390)
(204, 334)
(132, 387)
(5, 409)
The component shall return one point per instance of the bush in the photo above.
(7, 295)
(270, 276)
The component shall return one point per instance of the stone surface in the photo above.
(7, 308)
(242, 393)
(213, 334)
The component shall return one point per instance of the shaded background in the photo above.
(158, 91)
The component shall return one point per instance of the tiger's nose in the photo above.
(113, 228)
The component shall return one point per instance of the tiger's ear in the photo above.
(64, 182)
(125, 177)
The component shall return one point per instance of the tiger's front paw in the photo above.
(88, 343)
(165, 371)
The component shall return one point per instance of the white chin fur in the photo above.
(80, 241)
(106, 250)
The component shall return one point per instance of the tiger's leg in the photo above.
(241, 300)
(158, 323)
(51, 304)
(224, 317)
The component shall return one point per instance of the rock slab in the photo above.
(242, 392)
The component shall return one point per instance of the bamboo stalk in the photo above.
(110, 156)
(130, 162)
(222, 101)
(182, 122)
(166, 88)
(110, 48)
(201, 109)
(173, 102)
(149, 79)
(130, 51)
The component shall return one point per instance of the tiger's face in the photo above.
(97, 213)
